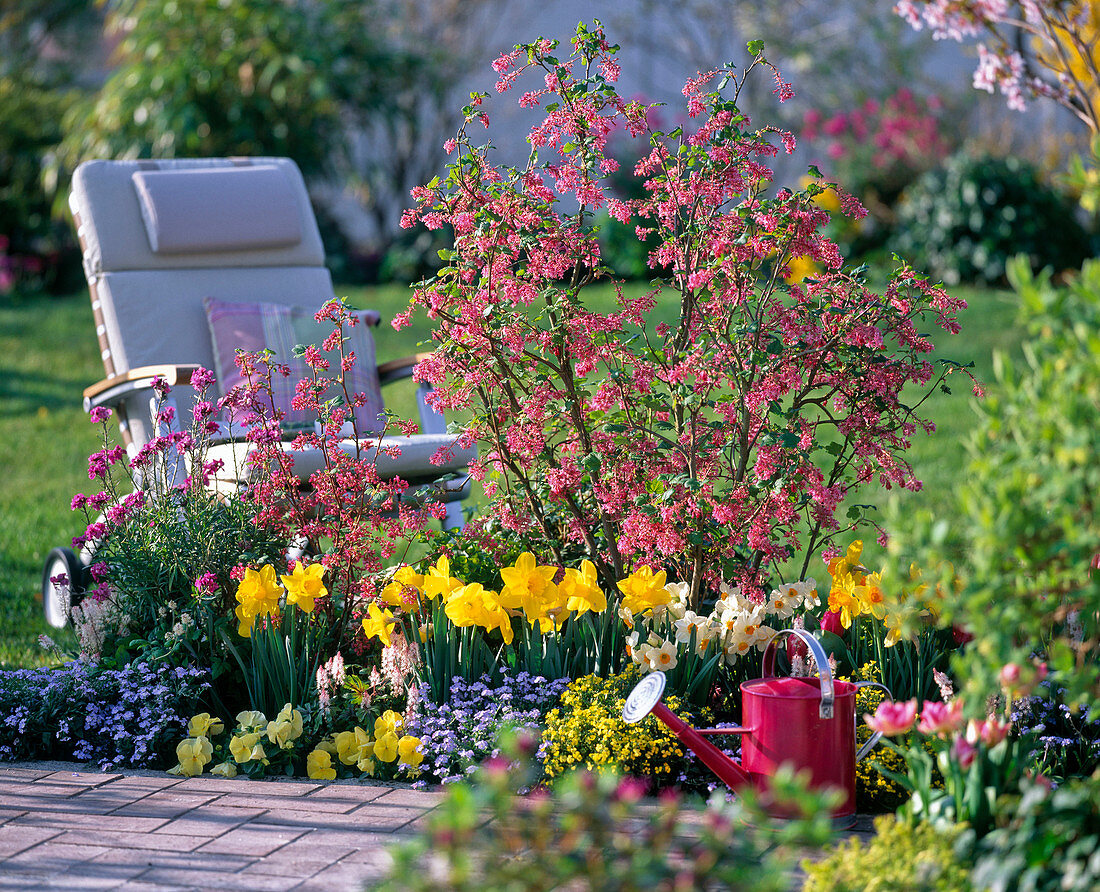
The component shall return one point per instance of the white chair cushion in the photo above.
(218, 209)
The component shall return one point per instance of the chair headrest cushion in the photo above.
(205, 210)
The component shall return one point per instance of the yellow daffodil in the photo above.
(404, 589)
(842, 599)
(438, 580)
(870, 597)
(408, 751)
(319, 766)
(643, 590)
(203, 725)
(305, 585)
(224, 769)
(257, 595)
(526, 585)
(193, 753)
(379, 624)
(385, 747)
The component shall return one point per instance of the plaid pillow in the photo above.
(263, 326)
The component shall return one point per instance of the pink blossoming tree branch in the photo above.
(1028, 48)
(712, 425)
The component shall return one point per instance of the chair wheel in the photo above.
(59, 600)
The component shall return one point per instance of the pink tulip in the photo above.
(830, 622)
(941, 719)
(1010, 675)
(891, 718)
(963, 751)
(990, 732)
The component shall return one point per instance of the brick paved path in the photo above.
(65, 828)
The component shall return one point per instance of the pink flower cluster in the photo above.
(941, 720)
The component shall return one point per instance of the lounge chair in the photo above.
(177, 253)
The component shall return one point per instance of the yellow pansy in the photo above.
(408, 751)
(251, 720)
(203, 725)
(319, 766)
(379, 624)
(582, 591)
(241, 746)
(390, 722)
(643, 590)
(286, 728)
(385, 747)
(193, 753)
(304, 585)
(348, 744)
(224, 769)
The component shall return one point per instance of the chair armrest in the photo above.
(116, 388)
(396, 369)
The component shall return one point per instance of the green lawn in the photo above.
(48, 354)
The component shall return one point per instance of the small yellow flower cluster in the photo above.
(588, 729)
(529, 590)
(365, 752)
(258, 594)
(256, 742)
(246, 744)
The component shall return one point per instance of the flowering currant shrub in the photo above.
(360, 518)
(712, 426)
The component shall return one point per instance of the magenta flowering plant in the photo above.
(161, 545)
(713, 425)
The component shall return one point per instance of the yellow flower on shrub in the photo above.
(588, 730)
(643, 590)
(582, 590)
(319, 766)
(194, 753)
(203, 725)
(304, 585)
(379, 624)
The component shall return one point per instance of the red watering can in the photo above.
(807, 723)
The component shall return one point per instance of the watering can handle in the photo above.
(825, 711)
(877, 736)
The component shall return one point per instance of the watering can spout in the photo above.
(646, 699)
